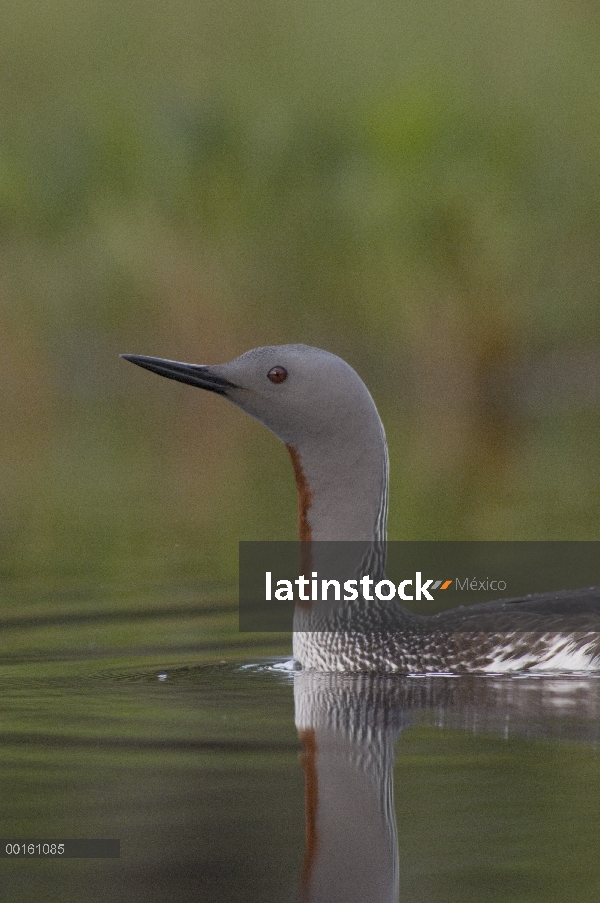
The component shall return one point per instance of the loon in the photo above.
(316, 404)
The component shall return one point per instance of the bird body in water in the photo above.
(316, 404)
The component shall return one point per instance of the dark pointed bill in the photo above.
(192, 374)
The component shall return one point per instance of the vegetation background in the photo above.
(412, 186)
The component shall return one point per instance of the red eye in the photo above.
(277, 374)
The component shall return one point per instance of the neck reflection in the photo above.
(348, 725)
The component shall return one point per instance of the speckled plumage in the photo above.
(548, 632)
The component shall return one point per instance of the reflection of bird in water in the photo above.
(349, 724)
(320, 408)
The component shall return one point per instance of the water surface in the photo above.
(141, 714)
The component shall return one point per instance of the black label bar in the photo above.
(60, 849)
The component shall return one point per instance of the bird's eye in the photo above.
(277, 374)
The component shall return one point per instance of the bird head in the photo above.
(302, 394)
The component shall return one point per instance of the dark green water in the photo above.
(141, 714)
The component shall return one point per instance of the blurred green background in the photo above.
(412, 186)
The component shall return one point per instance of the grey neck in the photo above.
(344, 496)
